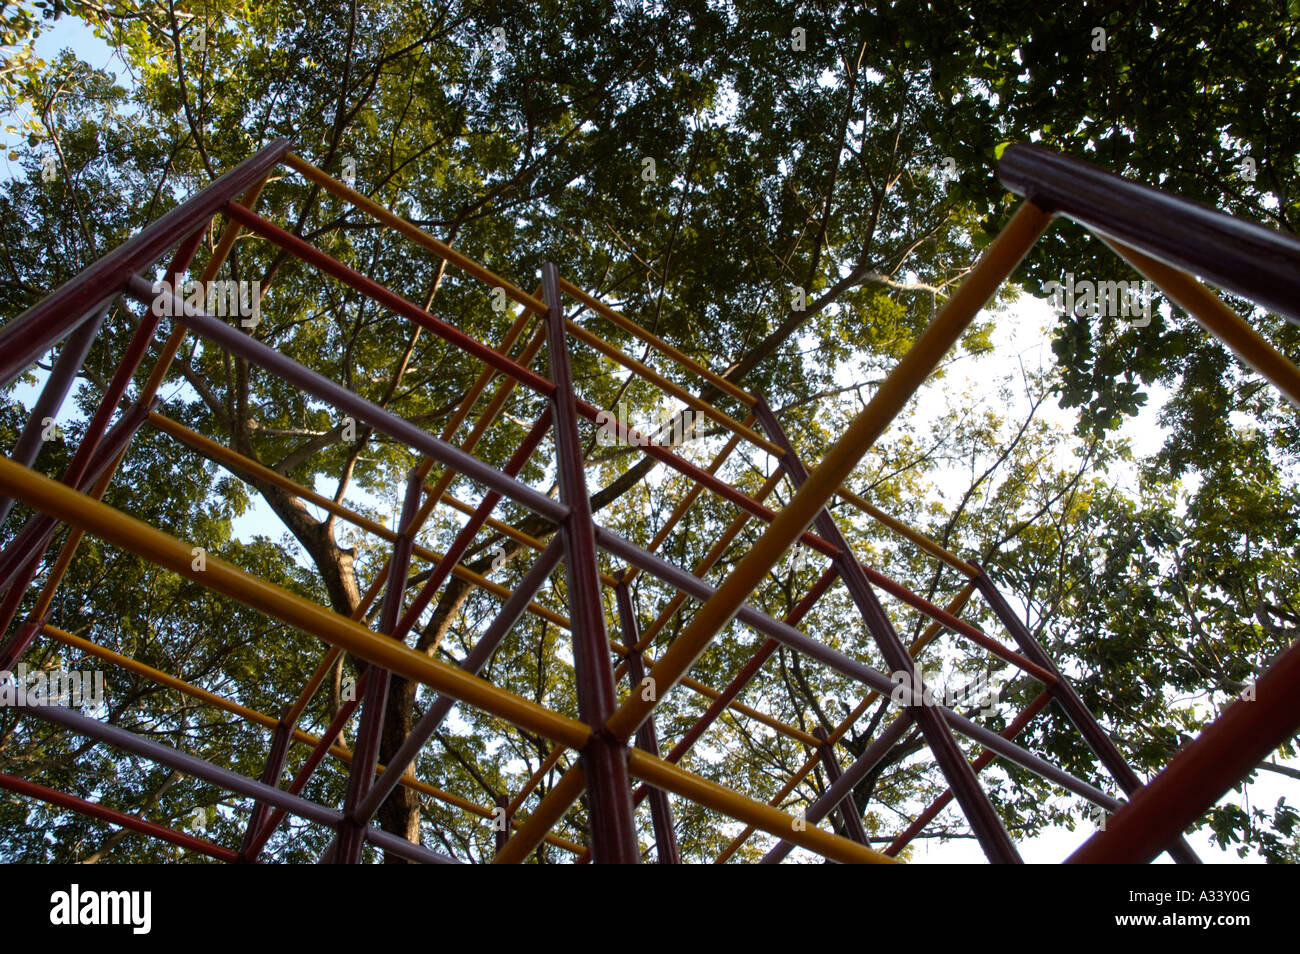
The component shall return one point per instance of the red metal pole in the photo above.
(304, 773)
(387, 297)
(661, 817)
(1221, 756)
(502, 822)
(613, 826)
(115, 817)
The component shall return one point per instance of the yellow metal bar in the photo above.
(788, 730)
(669, 777)
(677, 391)
(665, 775)
(535, 779)
(530, 834)
(220, 452)
(663, 347)
(126, 532)
(266, 721)
(463, 262)
(998, 261)
(1217, 318)
(920, 539)
(955, 606)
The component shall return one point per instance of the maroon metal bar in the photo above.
(29, 546)
(188, 764)
(987, 756)
(983, 819)
(502, 823)
(471, 528)
(275, 760)
(365, 756)
(1225, 752)
(98, 425)
(115, 817)
(388, 298)
(28, 336)
(937, 613)
(661, 816)
(848, 808)
(613, 825)
(53, 394)
(1079, 714)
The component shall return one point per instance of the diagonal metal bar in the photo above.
(24, 339)
(661, 817)
(842, 787)
(224, 778)
(848, 808)
(1079, 714)
(974, 802)
(275, 759)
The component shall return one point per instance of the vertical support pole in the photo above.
(275, 760)
(1101, 744)
(647, 739)
(613, 826)
(366, 756)
(961, 778)
(848, 808)
(502, 829)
